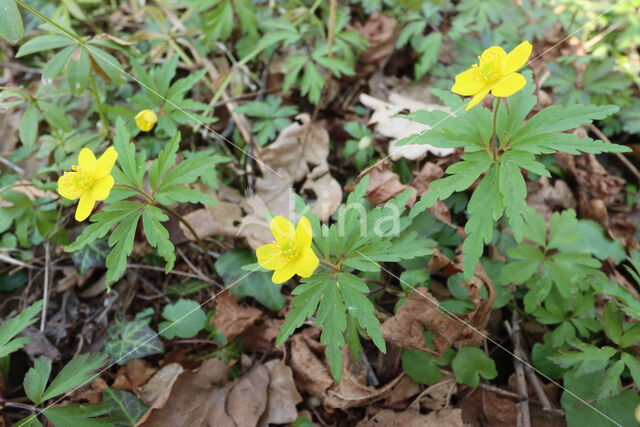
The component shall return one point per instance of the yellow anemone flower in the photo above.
(146, 120)
(291, 252)
(90, 180)
(496, 72)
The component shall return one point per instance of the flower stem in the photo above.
(177, 216)
(103, 118)
(494, 136)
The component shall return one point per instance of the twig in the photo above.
(45, 293)
(524, 417)
(175, 272)
(190, 264)
(9, 260)
(12, 165)
(620, 156)
(332, 26)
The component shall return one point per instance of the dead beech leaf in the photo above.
(353, 389)
(311, 374)
(262, 334)
(447, 417)
(231, 318)
(384, 184)
(328, 196)
(247, 399)
(380, 32)
(282, 395)
(162, 381)
(398, 128)
(134, 374)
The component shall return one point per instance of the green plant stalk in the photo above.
(103, 118)
(494, 137)
(177, 216)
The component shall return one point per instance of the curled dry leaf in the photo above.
(546, 198)
(311, 374)
(282, 395)
(134, 374)
(384, 184)
(262, 334)
(231, 318)
(398, 128)
(247, 400)
(328, 196)
(152, 392)
(410, 418)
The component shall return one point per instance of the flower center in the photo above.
(288, 250)
(77, 182)
(490, 65)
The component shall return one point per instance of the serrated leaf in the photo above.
(359, 306)
(121, 241)
(332, 318)
(12, 327)
(132, 340)
(79, 415)
(420, 366)
(166, 159)
(157, 235)
(588, 358)
(303, 305)
(35, 381)
(75, 373)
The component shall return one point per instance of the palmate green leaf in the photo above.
(420, 366)
(332, 318)
(311, 83)
(184, 319)
(35, 381)
(12, 327)
(79, 415)
(183, 194)
(75, 373)
(11, 27)
(588, 359)
(132, 340)
(189, 170)
(124, 406)
(470, 363)
(303, 305)
(132, 169)
(611, 384)
(514, 193)
(359, 306)
(484, 208)
(157, 235)
(165, 161)
(121, 241)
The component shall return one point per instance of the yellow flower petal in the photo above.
(509, 85)
(87, 160)
(102, 187)
(65, 188)
(466, 83)
(146, 120)
(303, 233)
(282, 228)
(269, 256)
(478, 97)
(307, 263)
(105, 163)
(517, 58)
(283, 274)
(85, 206)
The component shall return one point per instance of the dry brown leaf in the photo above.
(446, 418)
(384, 184)
(282, 395)
(91, 393)
(397, 128)
(311, 374)
(247, 399)
(328, 196)
(546, 198)
(381, 32)
(262, 334)
(231, 318)
(162, 381)
(134, 374)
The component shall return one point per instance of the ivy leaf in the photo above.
(75, 373)
(91, 255)
(184, 319)
(124, 406)
(12, 327)
(132, 340)
(35, 381)
(470, 363)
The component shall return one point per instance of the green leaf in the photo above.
(514, 192)
(184, 319)
(78, 69)
(75, 373)
(189, 288)
(303, 305)
(588, 359)
(311, 83)
(12, 327)
(256, 284)
(79, 415)
(35, 381)
(353, 290)
(41, 43)
(165, 161)
(594, 240)
(54, 66)
(121, 241)
(332, 318)
(126, 155)
(470, 363)
(611, 384)
(157, 235)
(132, 340)
(91, 255)
(612, 322)
(124, 406)
(634, 366)
(10, 21)
(29, 126)
(420, 366)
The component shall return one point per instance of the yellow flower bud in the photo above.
(146, 120)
